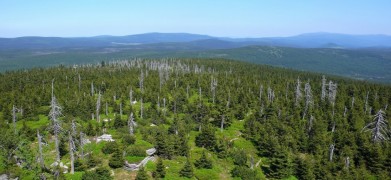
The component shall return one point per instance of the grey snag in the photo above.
(40, 156)
(378, 127)
(54, 114)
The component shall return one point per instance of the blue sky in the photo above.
(229, 18)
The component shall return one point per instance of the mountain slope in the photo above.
(359, 64)
(311, 40)
(367, 64)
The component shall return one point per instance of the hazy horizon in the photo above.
(244, 37)
(217, 18)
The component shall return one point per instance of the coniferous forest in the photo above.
(191, 118)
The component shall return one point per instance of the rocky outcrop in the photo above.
(150, 157)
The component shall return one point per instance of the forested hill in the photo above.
(207, 119)
(364, 64)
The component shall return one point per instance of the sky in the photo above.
(223, 18)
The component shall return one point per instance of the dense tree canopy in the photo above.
(272, 122)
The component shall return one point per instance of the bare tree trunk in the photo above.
(92, 89)
(200, 94)
(107, 109)
(229, 98)
(347, 162)
(323, 95)
(158, 102)
(298, 92)
(81, 145)
(308, 98)
(164, 107)
(366, 103)
(141, 108)
(332, 147)
(222, 123)
(71, 149)
(187, 91)
(57, 146)
(352, 102)
(55, 112)
(98, 108)
(251, 162)
(40, 157)
(120, 109)
(131, 124)
(260, 93)
(131, 95)
(79, 82)
(14, 117)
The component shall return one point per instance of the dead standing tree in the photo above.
(331, 151)
(131, 124)
(142, 81)
(323, 94)
(98, 107)
(308, 98)
(213, 85)
(40, 156)
(72, 148)
(14, 111)
(378, 128)
(82, 143)
(54, 114)
(298, 92)
(332, 93)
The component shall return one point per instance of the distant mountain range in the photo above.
(311, 40)
(365, 57)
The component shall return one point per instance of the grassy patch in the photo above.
(134, 159)
(75, 176)
(43, 121)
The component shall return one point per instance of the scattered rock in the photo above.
(61, 165)
(151, 151)
(4, 177)
(104, 137)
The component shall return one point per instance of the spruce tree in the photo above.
(163, 148)
(90, 131)
(280, 165)
(116, 160)
(206, 138)
(142, 174)
(304, 168)
(160, 171)
(203, 162)
(187, 170)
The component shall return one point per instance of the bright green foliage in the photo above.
(63, 148)
(239, 157)
(110, 147)
(160, 171)
(93, 161)
(203, 162)
(98, 174)
(206, 138)
(142, 174)
(187, 170)
(80, 165)
(90, 131)
(128, 139)
(163, 148)
(116, 160)
(244, 172)
(118, 122)
(280, 165)
(304, 168)
(261, 119)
